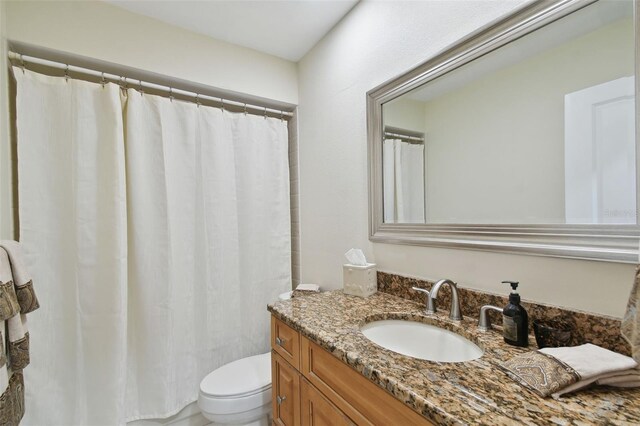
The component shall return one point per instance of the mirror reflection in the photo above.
(403, 176)
(539, 131)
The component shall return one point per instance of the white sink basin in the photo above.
(421, 341)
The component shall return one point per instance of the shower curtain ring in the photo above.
(66, 73)
(197, 100)
(141, 88)
(103, 80)
(222, 104)
(281, 115)
(171, 94)
(265, 112)
(245, 109)
(22, 63)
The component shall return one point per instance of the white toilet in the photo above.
(239, 393)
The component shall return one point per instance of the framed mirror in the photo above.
(522, 137)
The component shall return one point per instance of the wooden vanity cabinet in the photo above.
(312, 387)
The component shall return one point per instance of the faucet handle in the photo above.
(484, 323)
(431, 304)
(422, 290)
(430, 308)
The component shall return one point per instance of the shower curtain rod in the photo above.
(399, 136)
(22, 59)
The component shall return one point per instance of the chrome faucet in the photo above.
(484, 323)
(432, 295)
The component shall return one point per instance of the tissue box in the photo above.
(359, 280)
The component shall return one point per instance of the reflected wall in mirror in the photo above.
(538, 131)
(525, 138)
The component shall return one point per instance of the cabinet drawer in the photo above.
(316, 410)
(286, 342)
(286, 392)
(360, 399)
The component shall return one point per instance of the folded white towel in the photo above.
(622, 379)
(618, 379)
(594, 365)
(590, 360)
(557, 371)
(308, 287)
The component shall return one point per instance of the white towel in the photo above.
(630, 329)
(308, 287)
(557, 371)
(305, 290)
(17, 298)
(590, 360)
(20, 274)
(21, 277)
(594, 365)
(619, 379)
(623, 379)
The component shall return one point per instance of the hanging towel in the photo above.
(17, 298)
(557, 371)
(21, 278)
(630, 328)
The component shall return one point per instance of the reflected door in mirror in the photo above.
(600, 154)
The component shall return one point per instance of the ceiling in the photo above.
(285, 28)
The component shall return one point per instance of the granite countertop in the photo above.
(467, 393)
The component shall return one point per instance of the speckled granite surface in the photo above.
(597, 329)
(469, 393)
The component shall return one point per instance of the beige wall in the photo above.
(101, 31)
(375, 42)
(508, 137)
(405, 113)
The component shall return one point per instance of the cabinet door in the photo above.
(316, 410)
(286, 392)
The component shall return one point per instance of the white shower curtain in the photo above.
(403, 182)
(389, 181)
(209, 243)
(73, 228)
(152, 273)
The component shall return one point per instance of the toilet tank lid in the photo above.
(243, 377)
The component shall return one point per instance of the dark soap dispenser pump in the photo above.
(515, 321)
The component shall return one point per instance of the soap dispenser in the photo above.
(515, 321)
